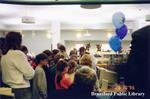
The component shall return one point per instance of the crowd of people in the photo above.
(48, 75)
(52, 74)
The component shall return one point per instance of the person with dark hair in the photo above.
(55, 51)
(136, 71)
(39, 80)
(61, 82)
(71, 70)
(47, 52)
(50, 57)
(2, 42)
(30, 58)
(82, 51)
(16, 70)
(62, 50)
(58, 45)
(53, 70)
(84, 82)
(13, 41)
(138, 66)
(48, 72)
(24, 49)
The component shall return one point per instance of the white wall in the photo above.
(95, 35)
(36, 41)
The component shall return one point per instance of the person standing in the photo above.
(16, 70)
(2, 42)
(39, 81)
(61, 81)
(84, 83)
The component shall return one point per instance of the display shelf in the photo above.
(110, 59)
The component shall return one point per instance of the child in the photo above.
(71, 70)
(39, 81)
(61, 81)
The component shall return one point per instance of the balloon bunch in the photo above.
(121, 31)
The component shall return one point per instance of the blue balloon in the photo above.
(122, 32)
(115, 43)
(118, 19)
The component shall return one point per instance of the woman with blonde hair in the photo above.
(86, 60)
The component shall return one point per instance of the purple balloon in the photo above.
(122, 32)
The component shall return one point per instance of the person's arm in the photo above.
(22, 64)
(41, 84)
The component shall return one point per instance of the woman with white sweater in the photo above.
(16, 70)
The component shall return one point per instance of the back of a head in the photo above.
(55, 51)
(13, 41)
(86, 60)
(61, 65)
(2, 44)
(58, 56)
(40, 57)
(24, 49)
(62, 48)
(74, 57)
(48, 52)
(58, 45)
(72, 52)
(2, 41)
(85, 77)
(72, 65)
(82, 49)
(141, 39)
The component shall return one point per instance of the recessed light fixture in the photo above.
(79, 35)
(109, 35)
(48, 35)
